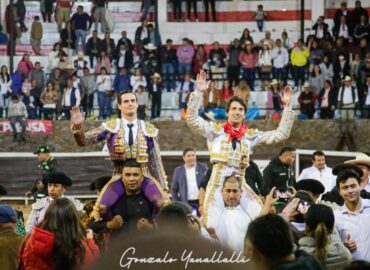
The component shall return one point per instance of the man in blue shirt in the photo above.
(79, 24)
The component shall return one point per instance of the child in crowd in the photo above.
(142, 102)
(260, 16)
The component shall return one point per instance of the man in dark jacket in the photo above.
(279, 172)
(93, 47)
(168, 60)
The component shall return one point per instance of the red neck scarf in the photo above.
(238, 134)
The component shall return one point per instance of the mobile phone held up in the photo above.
(302, 207)
(283, 194)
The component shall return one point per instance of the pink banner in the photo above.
(33, 127)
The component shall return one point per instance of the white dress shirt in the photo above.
(280, 59)
(367, 187)
(367, 101)
(67, 97)
(191, 179)
(357, 226)
(127, 130)
(325, 176)
(347, 95)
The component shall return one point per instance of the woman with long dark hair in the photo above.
(5, 90)
(59, 242)
(320, 240)
(327, 100)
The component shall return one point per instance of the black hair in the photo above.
(236, 99)
(14, 97)
(343, 176)
(120, 94)
(131, 163)
(232, 179)
(271, 236)
(186, 150)
(317, 153)
(286, 149)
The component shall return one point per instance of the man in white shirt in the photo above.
(353, 220)
(363, 162)
(280, 57)
(187, 178)
(319, 171)
(347, 99)
(71, 97)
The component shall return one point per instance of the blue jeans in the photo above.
(280, 74)
(104, 105)
(168, 71)
(81, 34)
(184, 68)
(260, 25)
(299, 75)
(249, 74)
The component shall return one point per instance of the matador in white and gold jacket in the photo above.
(227, 161)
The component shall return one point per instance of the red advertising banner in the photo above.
(33, 127)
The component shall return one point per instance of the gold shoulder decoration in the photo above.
(218, 127)
(112, 123)
(150, 130)
(251, 132)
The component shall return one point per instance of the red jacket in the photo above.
(36, 251)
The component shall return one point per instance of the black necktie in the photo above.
(130, 135)
(234, 142)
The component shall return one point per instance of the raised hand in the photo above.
(77, 117)
(202, 81)
(286, 98)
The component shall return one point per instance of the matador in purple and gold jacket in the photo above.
(145, 150)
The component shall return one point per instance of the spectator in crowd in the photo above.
(17, 112)
(327, 100)
(226, 94)
(26, 86)
(213, 7)
(364, 71)
(185, 54)
(11, 28)
(21, 14)
(285, 41)
(122, 81)
(142, 102)
(280, 58)
(184, 88)
(307, 100)
(54, 56)
(211, 97)
(154, 36)
(68, 38)
(267, 38)
(246, 36)
(187, 178)
(363, 162)
(299, 57)
(80, 21)
(361, 30)
(46, 9)
(3, 36)
(17, 80)
(177, 10)
(366, 99)
(145, 7)
(260, 16)
(38, 74)
(49, 99)
(216, 59)
(58, 241)
(5, 90)
(124, 57)
(269, 245)
(316, 79)
(155, 89)
(321, 28)
(63, 12)
(26, 65)
(342, 12)
(357, 13)
(273, 98)
(71, 98)
(319, 171)
(108, 45)
(279, 172)
(242, 91)
(195, 9)
(265, 65)
(316, 54)
(93, 47)
(140, 216)
(326, 67)
(57, 184)
(168, 61)
(87, 88)
(9, 240)
(79, 64)
(104, 83)
(99, 15)
(141, 33)
(150, 61)
(248, 60)
(344, 30)
(30, 102)
(137, 79)
(341, 69)
(59, 81)
(347, 98)
(124, 39)
(233, 67)
(36, 35)
(353, 220)
(103, 61)
(320, 241)
(355, 65)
